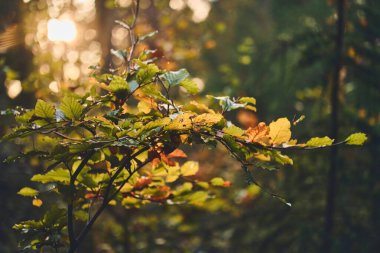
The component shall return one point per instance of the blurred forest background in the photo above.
(319, 58)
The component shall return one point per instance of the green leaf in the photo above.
(44, 110)
(217, 181)
(190, 168)
(356, 139)
(190, 86)
(119, 86)
(197, 197)
(319, 142)
(28, 192)
(154, 92)
(58, 175)
(54, 217)
(146, 73)
(233, 131)
(71, 108)
(25, 117)
(158, 123)
(236, 147)
(280, 158)
(174, 78)
(81, 215)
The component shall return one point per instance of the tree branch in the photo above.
(105, 203)
(70, 205)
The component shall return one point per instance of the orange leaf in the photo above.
(142, 182)
(162, 193)
(177, 153)
(227, 184)
(37, 202)
(259, 133)
(90, 196)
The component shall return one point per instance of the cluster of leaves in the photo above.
(122, 147)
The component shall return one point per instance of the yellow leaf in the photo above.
(190, 168)
(173, 173)
(356, 139)
(208, 118)
(37, 202)
(28, 192)
(279, 131)
(198, 107)
(234, 131)
(319, 142)
(181, 122)
(144, 107)
(262, 157)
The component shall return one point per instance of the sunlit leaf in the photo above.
(28, 192)
(173, 173)
(71, 108)
(44, 110)
(233, 131)
(37, 202)
(144, 107)
(119, 86)
(190, 86)
(319, 142)
(146, 73)
(190, 168)
(356, 139)
(217, 181)
(181, 122)
(279, 131)
(58, 175)
(250, 103)
(25, 117)
(259, 134)
(248, 100)
(208, 118)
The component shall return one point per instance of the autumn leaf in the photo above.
(190, 168)
(279, 131)
(356, 139)
(208, 118)
(259, 134)
(144, 107)
(177, 153)
(37, 202)
(142, 182)
(181, 122)
(173, 173)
